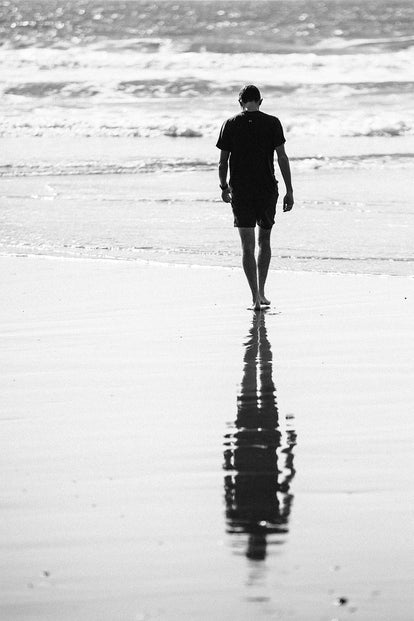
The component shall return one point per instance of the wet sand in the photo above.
(168, 454)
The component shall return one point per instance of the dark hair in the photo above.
(249, 93)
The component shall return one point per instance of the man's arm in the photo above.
(283, 161)
(223, 169)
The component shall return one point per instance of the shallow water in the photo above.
(110, 113)
(359, 220)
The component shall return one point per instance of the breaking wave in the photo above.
(193, 87)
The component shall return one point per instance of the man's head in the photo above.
(249, 97)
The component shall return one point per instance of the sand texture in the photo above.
(130, 444)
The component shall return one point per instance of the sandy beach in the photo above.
(121, 385)
(167, 454)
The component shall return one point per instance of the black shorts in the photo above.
(251, 209)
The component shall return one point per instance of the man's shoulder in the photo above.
(269, 118)
(234, 119)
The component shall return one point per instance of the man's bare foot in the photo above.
(256, 306)
(264, 301)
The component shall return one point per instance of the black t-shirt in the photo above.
(251, 138)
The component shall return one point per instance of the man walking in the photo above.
(250, 139)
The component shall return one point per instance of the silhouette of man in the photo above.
(258, 458)
(249, 140)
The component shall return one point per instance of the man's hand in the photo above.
(226, 195)
(288, 201)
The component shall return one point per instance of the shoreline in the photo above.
(175, 264)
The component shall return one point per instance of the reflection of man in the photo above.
(250, 140)
(258, 499)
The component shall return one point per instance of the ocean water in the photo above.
(343, 68)
(163, 76)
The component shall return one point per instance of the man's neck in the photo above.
(251, 106)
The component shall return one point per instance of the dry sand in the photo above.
(119, 381)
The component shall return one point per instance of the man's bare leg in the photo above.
(263, 262)
(247, 238)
